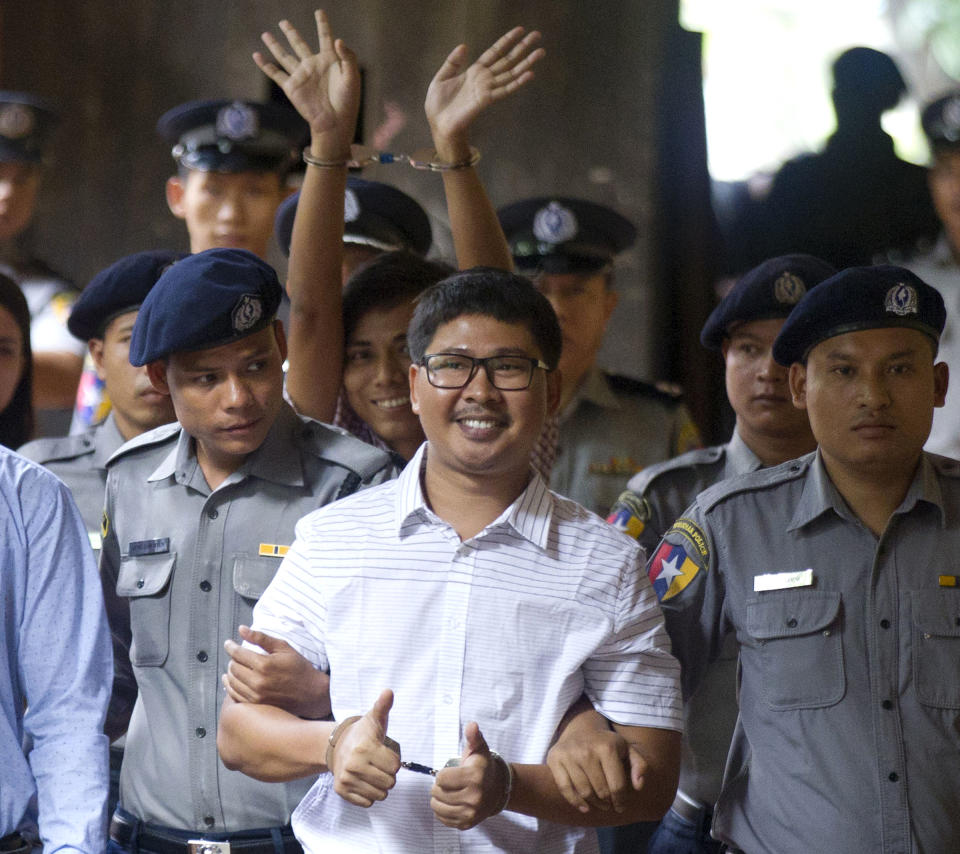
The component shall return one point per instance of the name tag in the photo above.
(140, 548)
(96, 541)
(782, 580)
(273, 550)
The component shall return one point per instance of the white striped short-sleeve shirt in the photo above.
(507, 629)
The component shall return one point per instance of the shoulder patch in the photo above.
(630, 514)
(681, 555)
(104, 525)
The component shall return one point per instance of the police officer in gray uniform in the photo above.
(837, 573)
(104, 316)
(769, 430)
(198, 515)
(610, 426)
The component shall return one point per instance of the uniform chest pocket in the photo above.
(797, 636)
(936, 647)
(251, 576)
(145, 581)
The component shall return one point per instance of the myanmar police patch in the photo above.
(677, 560)
(630, 514)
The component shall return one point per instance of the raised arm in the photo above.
(325, 89)
(456, 96)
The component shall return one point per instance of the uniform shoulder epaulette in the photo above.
(947, 466)
(662, 391)
(55, 449)
(156, 436)
(643, 479)
(338, 446)
(754, 481)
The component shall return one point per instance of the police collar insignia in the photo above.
(788, 289)
(351, 206)
(555, 224)
(902, 300)
(237, 121)
(16, 121)
(247, 312)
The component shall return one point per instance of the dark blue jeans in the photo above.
(676, 835)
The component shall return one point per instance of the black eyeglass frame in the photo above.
(485, 363)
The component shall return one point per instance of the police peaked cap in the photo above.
(769, 290)
(206, 300)
(860, 298)
(26, 125)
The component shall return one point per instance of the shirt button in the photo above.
(209, 820)
(884, 624)
(792, 623)
(893, 776)
(447, 699)
(201, 656)
(201, 732)
(212, 513)
(139, 583)
(887, 704)
(205, 586)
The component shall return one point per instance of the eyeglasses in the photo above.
(507, 373)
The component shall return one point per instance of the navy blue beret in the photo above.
(233, 136)
(119, 288)
(563, 235)
(860, 298)
(374, 214)
(203, 301)
(941, 121)
(770, 289)
(26, 124)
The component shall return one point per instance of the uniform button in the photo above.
(884, 624)
(887, 704)
(202, 656)
(792, 623)
(205, 586)
(139, 583)
(893, 776)
(447, 699)
(794, 468)
(212, 513)
(201, 732)
(209, 820)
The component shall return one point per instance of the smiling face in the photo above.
(375, 377)
(758, 388)
(227, 210)
(226, 397)
(870, 397)
(479, 430)
(136, 405)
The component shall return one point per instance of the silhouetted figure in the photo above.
(855, 198)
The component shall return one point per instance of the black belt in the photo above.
(164, 840)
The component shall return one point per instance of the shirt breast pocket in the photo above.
(936, 647)
(797, 635)
(145, 581)
(251, 576)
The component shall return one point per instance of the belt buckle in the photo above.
(207, 846)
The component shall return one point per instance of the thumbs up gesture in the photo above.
(363, 767)
(478, 788)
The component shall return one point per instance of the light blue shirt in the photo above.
(55, 647)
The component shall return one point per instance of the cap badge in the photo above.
(16, 121)
(247, 312)
(351, 206)
(237, 121)
(554, 224)
(902, 300)
(789, 289)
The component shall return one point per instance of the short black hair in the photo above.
(16, 421)
(487, 292)
(390, 279)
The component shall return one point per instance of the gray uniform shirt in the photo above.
(81, 463)
(182, 566)
(849, 732)
(659, 495)
(612, 428)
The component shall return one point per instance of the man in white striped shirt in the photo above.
(464, 605)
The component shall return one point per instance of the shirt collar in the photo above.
(106, 440)
(595, 389)
(820, 494)
(529, 514)
(739, 459)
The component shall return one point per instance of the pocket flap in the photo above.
(144, 575)
(252, 574)
(792, 613)
(937, 612)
